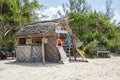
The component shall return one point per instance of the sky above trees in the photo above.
(51, 7)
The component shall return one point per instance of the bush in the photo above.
(91, 46)
(90, 55)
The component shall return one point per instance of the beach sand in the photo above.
(95, 69)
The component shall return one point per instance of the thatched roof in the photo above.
(41, 27)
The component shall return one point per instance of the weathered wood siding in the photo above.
(51, 52)
(36, 55)
(29, 53)
(24, 53)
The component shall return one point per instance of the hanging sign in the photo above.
(28, 40)
(44, 40)
(61, 31)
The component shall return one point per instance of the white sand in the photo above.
(96, 69)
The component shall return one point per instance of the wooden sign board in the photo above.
(28, 40)
(44, 40)
(61, 31)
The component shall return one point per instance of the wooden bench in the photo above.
(102, 51)
(107, 53)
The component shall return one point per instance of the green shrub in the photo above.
(91, 46)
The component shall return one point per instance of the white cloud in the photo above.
(51, 13)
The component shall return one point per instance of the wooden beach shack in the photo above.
(37, 41)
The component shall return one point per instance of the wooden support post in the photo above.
(69, 52)
(17, 54)
(16, 49)
(43, 52)
(31, 55)
(31, 60)
(97, 54)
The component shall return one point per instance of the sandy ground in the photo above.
(96, 69)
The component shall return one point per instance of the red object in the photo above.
(59, 42)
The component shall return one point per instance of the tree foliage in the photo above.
(14, 13)
(78, 6)
(89, 27)
(109, 9)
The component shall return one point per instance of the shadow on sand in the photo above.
(37, 64)
(40, 64)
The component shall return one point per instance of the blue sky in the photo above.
(51, 7)
(53, 3)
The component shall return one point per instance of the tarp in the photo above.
(68, 38)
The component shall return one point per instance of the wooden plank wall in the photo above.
(36, 55)
(51, 52)
(24, 53)
(29, 53)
